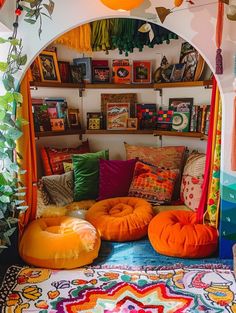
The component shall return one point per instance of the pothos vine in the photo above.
(12, 192)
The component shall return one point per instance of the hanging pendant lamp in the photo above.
(122, 5)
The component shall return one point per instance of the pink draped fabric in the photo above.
(203, 200)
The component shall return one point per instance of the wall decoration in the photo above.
(121, 74)
(57, 124)
(35, 71)
(74, 118)
(86, 69)
(142, 72)
(101, 74)
(117, 115)
(177, 72)
(48, 67)
(190, 56)
(164, 119)
(132, 123)
(95, 120)
(76, 74)
(65, 71)
(181, 104)
(181, 121)
(166, 74)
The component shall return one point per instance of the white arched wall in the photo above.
(196, 24)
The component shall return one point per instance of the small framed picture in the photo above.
(76, 74)
(57, 124)
(48, 67)
(35, 71)
(121, 74)
(73, 117)
(132, 123)
(101, 74)
(142, 71)
(85, 68)
(94, 120)
(181, 104)
(177, 72)
(117, 115)
(65, 72)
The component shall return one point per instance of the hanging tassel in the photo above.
(219, 31)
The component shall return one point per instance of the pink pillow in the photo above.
(115, 177)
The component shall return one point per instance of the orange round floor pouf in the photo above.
(121, 219)
(176, 233)
(59, 243)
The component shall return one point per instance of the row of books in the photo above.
(53, 114)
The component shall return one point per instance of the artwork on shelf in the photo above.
(85, 65)
(142, 71)
(121, 74)
(146, 114)
(52, 112)
(95, 120)
(57, 124)
(181, 104)
(130, 98)
(48, 67)
(190, 56)
(65, 71)
(132, 123)
(166, 74)
(100, 63)
(101, 74)
(74, 118)
(117, 115)
(177, 72)
(164, 119)
(76, 74)
(35, 71)
(181, 121)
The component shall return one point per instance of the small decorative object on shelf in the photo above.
(146, 114)
(65, 71)
(57, 124)
(101, 74)
(95, 120)
(177, 72)
(48, 67)
(74, 118)
(76, 74)
(132, 123)
(142, 71)
(190, 56)
(85, 65)
(117, 115)
(181, 121)
(121, 71)
(166, 74)
(164, 119)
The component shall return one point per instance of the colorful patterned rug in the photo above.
(98, 289)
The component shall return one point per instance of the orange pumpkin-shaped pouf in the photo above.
(177, 234)
(59, 242)
(121, 219)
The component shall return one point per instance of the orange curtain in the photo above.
(26, 147)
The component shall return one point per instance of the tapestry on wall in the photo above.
(110, 290)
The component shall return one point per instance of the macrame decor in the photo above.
(219, 31)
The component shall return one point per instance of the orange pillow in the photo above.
(53, 158)
(121, 219)
(176, 233)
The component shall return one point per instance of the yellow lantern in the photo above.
(123, 5)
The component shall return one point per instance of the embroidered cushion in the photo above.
(53, 158)
(86, 174)
(115, 177)
(153, 183)
(60, 188)
(165, 157)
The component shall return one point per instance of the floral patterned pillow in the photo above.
(153, 183)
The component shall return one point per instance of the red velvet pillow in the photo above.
(115, 177)
(53, 158)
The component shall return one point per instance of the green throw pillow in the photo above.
(86, 174)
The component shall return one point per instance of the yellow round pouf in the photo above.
(59, 243)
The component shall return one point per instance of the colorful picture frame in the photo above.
(181, 104)
(132, 123)
(94, 120)
(85, 65)
(35, 71)
(117, 115)
(74, 118)
(76, 74)
(190, 56)
(48, 67)
(177, 72)
(142, 71)
(101, 74)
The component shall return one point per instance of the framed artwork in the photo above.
(117, 115)
(181, 104)
(177, 72)
(181, 121)
(132, 123)
(73, 118)
(190, 56)
(65, 72)
(142, 72)
(49, 67)
(76, 74)
(121, 74)
(166, 74)
(130, 98)
(101, 74)
(57, 124)
(35, 71)
(94, 120)
(164, 119)
(85, 65)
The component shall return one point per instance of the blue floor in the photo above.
(141, 253)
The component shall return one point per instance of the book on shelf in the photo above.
(200, 116)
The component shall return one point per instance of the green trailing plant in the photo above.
(12, 192)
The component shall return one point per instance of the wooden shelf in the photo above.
(118, 132)
(204, 83)
(179, 134)
(59, 133)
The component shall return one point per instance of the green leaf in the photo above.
(14, 167)
(5, 199)
(23, 59)
(8, 82)
(6, 189)
(2, 40)
(2, 180)
(22, 208)
(17, 202)
(30, 20)
(3, 66)
(13, 133)
(21, 122)
(15, 42)
(3, 155)
(2, 114)
(18, 97)
(49, 7)
(20, 194)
